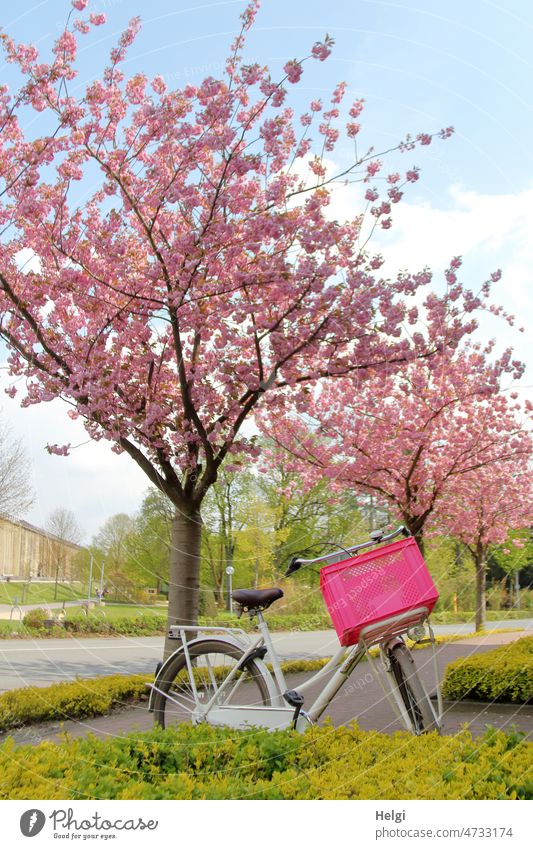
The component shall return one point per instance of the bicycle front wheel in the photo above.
(413, 694)
(181, 699)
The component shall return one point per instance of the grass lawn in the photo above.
(37, 592)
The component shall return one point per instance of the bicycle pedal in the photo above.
(293, 698)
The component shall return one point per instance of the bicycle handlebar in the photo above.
(375, 537)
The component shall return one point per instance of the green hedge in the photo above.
(503, 675)
(91, 696)
(146, 624)
(449, 617)
(276, 622)
(69, 699)
(216, 763)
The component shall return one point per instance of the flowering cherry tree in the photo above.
(409, 437)
(483, 508)
(183, 271)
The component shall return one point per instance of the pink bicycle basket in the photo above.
(375, 586)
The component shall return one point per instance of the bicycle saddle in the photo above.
(257, 599)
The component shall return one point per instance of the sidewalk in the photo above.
(361, 698)
(6, 609)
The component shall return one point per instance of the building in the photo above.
(30, 552)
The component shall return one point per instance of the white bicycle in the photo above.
(220, 676)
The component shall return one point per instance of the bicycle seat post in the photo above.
(271, 652)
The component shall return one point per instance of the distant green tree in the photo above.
(514, 562)
(307, 522)
(112, 540)
(149, 543)
(230, 507)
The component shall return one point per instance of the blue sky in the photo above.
(420, 65)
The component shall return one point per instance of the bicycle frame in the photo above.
(280, 715)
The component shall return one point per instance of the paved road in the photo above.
(360, 698)
(41, 662)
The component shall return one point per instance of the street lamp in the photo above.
(229, 572)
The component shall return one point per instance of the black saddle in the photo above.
(257, 599)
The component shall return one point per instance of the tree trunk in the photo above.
(420, 542)
(184, 582)
(412, 524)
(481, 587)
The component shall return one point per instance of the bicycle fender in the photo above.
(273, 691)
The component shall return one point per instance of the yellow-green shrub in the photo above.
(505, 674)
(201, 762)
(90, 696)
(72, 699)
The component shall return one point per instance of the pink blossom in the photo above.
(293, 69)
(322, 49)
(158, 85)
(251, 74)
(80, 5)
(338, 93)
(395, 195)
(278, 96)
(59, 450)
(97, 19)
(373, 167)
(356, 108)
(81, 26)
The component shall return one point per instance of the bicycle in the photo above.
(219, 675)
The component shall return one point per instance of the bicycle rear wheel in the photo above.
(211, 661)
(413, 694)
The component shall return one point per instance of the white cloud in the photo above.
(92, 481)
(488, 231)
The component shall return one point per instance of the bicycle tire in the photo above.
(413, 694)
(206, 657)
